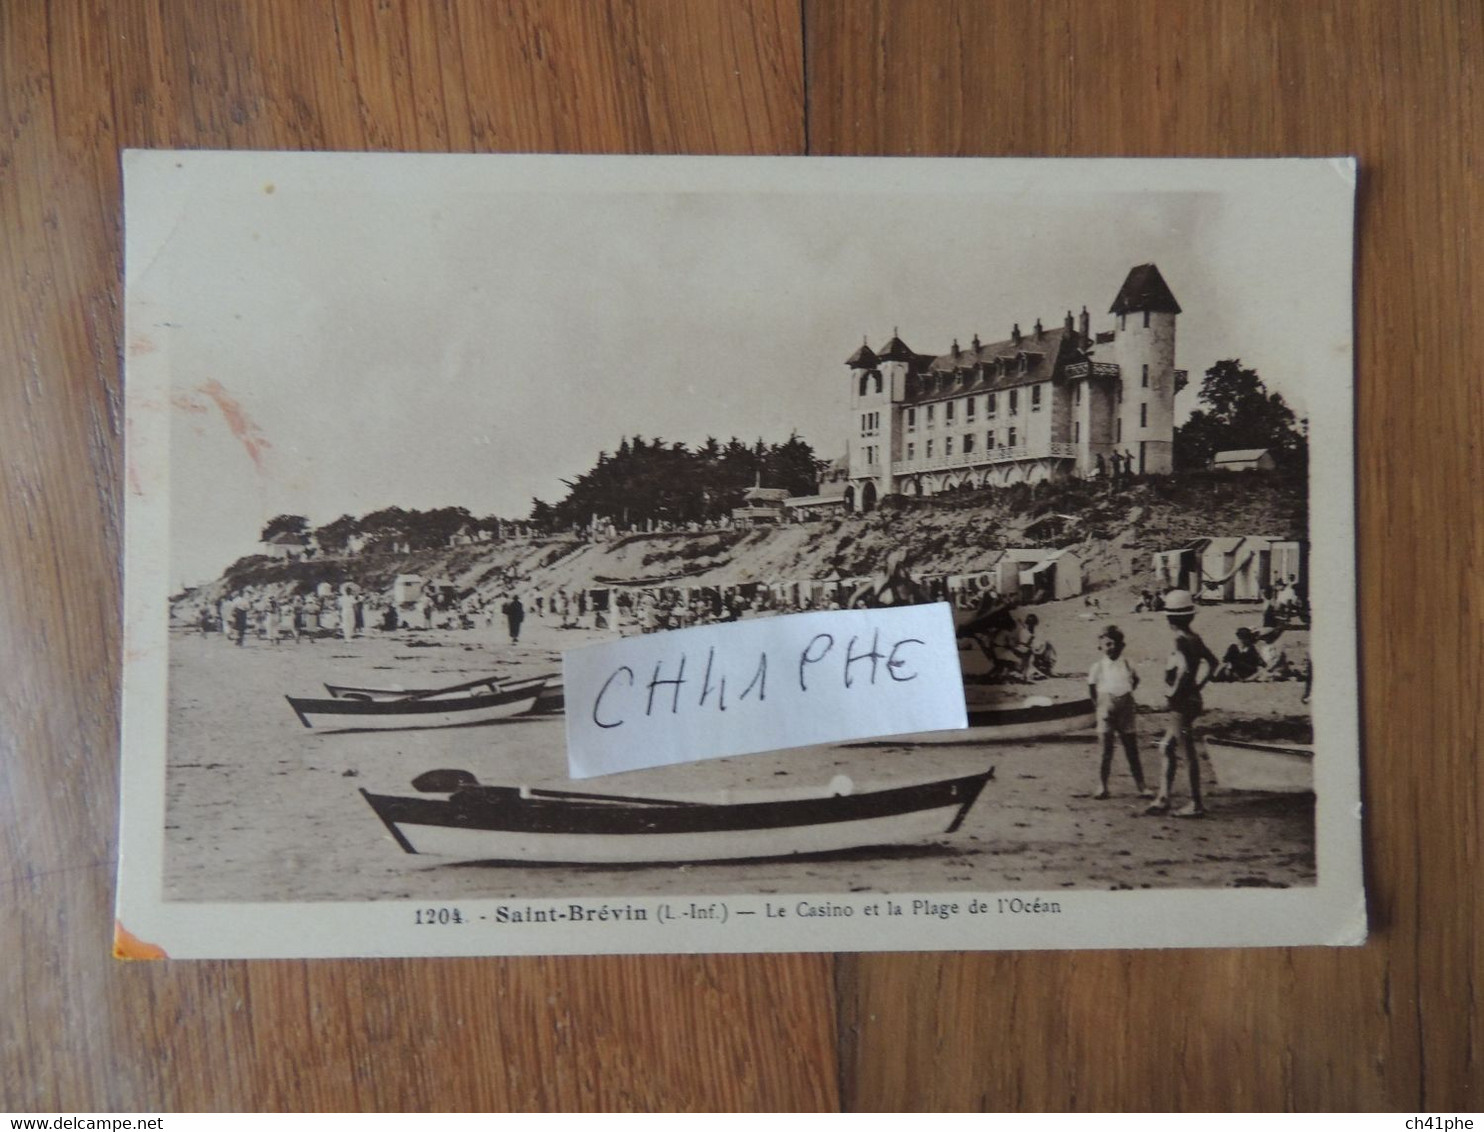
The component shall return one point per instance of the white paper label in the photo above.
(761, 685)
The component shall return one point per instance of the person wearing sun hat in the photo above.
(1183, 683)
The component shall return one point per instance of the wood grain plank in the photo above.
(78, 81)
(1393, 1025)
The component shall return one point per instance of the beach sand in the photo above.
(259, 808)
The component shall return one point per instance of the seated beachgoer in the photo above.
(1040, 654)
(1276, 665)
(1241, 661)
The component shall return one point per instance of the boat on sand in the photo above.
(996, 716)
(459, 817)
(1273, 768)
(397, 692)
(443, 709)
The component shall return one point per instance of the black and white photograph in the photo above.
(404, 432)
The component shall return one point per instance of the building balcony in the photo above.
(1079, 370)
(1055, 449)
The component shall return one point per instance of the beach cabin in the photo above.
(1177, 569)
(1289, 561)
(1256, 573)
(1057, 575)
(1219, 565)
(1038, 574)
(1244, 460)
(407, 589)
(1236, 569)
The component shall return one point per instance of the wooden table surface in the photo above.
(1393, 1025)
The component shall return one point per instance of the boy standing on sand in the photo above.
(1111, 683)
(1184, 684)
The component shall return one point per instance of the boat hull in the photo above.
(1019, 722)
(430, 711)
(1009, 721)
(499, 824)
(480, 687)
(1266, 767)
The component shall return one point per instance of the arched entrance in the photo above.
(868, 496)
(850, 498)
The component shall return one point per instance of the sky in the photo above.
(345, 334)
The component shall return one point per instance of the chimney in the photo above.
(1068, 324)
(1040, 333)
(976, 343)
(1015, 334)
(1085, 325)
(955, 347)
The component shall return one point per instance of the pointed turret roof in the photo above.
(896, 350)
(862, 358)
(1145, 289)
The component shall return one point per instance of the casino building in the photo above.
(1046, 403)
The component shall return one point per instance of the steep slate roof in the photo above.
(896, 350)
(862, 358)
(1145, 289)
(1045, 357)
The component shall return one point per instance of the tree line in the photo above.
(1238, 412)
(644, 482)
(649, 482)
(384, 529)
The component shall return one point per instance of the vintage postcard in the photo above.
(539, 554)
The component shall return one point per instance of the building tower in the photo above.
(1144, 350)
(876, 380)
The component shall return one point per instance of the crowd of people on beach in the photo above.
(1009, 637)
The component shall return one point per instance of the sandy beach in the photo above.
(260, 808)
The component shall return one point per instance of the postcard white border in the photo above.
(1331, 912)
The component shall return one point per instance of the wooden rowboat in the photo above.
(552, 700)
(395, 692)
(506, 823)
(1273, 768)
(444, 710)
(1031, 718)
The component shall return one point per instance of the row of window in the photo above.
(928, 383)
(870, 424)
(969, 439)
(1009, 435)
(1123, 320)
(991, 408)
